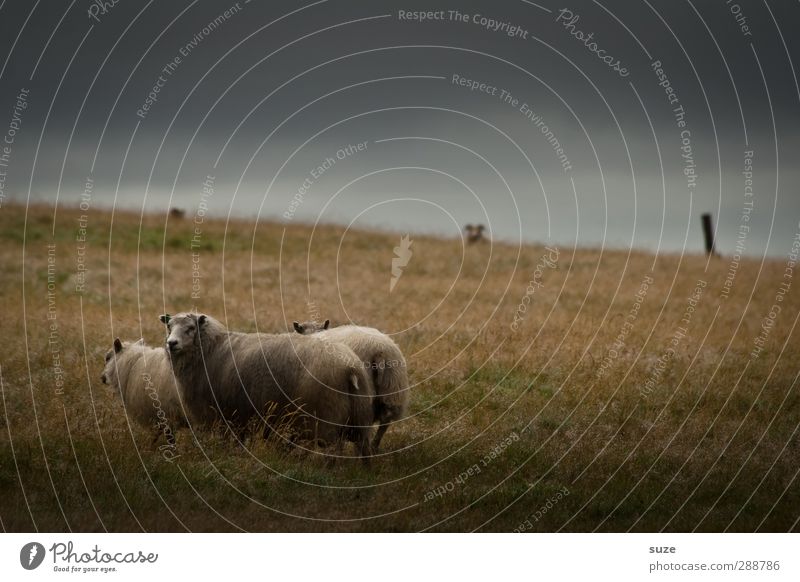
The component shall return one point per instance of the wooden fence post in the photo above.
(708, 233)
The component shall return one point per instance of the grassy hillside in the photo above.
(592, 399)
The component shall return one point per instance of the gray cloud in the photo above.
(351, 72)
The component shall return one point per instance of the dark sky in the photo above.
(265, 95)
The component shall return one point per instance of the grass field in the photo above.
(623, 395)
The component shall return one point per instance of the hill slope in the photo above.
(553, 388)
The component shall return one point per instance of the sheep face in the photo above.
(309, 327)
(183, 330)
(109, 376)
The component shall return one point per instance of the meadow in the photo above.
(554, 389)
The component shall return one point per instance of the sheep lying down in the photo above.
(236, 376)
(383, 361)
(143, 378)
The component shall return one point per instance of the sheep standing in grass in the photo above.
(380, 356)
(144, 379)
(474, 233)
(236, 376)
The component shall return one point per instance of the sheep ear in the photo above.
(201, 320)
(117, 345)
(297, 327)
(326, 324)
(165, 318)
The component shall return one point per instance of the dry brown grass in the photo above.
(713, 447)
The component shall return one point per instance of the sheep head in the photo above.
(109, 376)
(184, 329)
(309, 327)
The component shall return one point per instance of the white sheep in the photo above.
(236, 375)
(382, 357)
(143, 377)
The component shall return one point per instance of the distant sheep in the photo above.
(236, 376)
(474, 233)
(379, 354)
(143, 377)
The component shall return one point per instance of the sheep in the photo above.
(237, 376)
(474, 233)
(143, 377)
(378, 353)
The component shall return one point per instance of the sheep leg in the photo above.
(238, 429)
(339, 451)
(365, 450)
(376, 442)
(241, 436)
